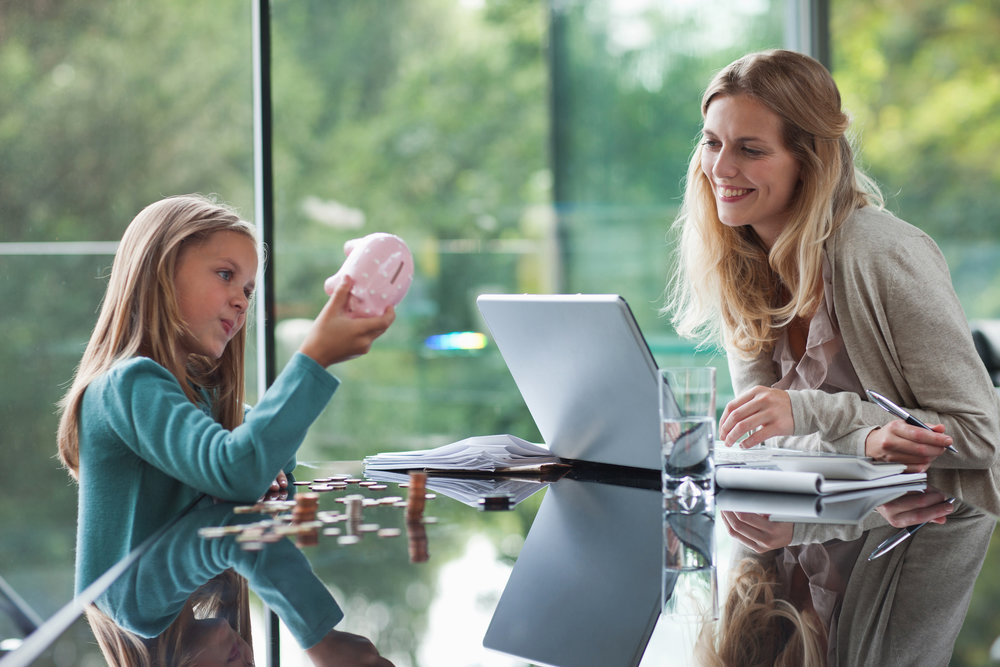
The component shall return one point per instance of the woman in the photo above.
(817, 293)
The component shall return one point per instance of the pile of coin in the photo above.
(303, 519)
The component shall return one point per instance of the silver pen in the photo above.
(893, 409)
(899, 538)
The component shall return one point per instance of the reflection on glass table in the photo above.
(186, 600)
(569, 576)
(809, 593)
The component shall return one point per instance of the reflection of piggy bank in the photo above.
(382, 268)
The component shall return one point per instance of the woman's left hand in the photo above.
(757, 531)
(759, 414)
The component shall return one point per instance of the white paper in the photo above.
(486, 453)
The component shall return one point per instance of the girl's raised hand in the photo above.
(336, 335)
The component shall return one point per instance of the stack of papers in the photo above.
(472, 490)
(846, 507)
(488, 453)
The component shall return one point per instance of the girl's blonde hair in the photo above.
(140, 316)
(225, 596)
(759, 627)
(728, 286)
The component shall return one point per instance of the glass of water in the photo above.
(687, 432)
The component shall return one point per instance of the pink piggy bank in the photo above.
(382, 268)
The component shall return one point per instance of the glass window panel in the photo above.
(458, 128)
(107, 106)
(921, 80)
(627, 80)
(428, 120)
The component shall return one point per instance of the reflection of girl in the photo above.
(184, 600)
(818, 293)
(212, 628)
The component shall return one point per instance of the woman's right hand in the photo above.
(916, 508)
(336, 335)
(899, 442)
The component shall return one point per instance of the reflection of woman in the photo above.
(760, 627)
(815, 290)
(826, 600)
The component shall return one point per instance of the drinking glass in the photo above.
(687, 432)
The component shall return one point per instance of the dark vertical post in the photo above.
(264, 189)
(264, 215)
(559, 136)
(807, 29)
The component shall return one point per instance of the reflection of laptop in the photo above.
(585, 372)
(585, 590)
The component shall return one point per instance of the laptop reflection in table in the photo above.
(585, 589)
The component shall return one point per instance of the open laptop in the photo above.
(585, 372)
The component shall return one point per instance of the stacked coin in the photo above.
(416, 496)
(306, 505)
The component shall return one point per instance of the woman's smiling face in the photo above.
(753, 176)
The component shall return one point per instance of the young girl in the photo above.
(819, 294)
(154, 419)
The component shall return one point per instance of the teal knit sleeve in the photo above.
(145, 408)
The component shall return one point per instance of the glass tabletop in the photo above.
(566, 569)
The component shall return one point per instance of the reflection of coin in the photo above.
(389, 532)
(348, 539)
(368, 528)
(219, 531)
(332, 531)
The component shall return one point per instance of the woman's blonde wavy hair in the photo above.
(140, 316)
(759, 628)
(728, 286)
